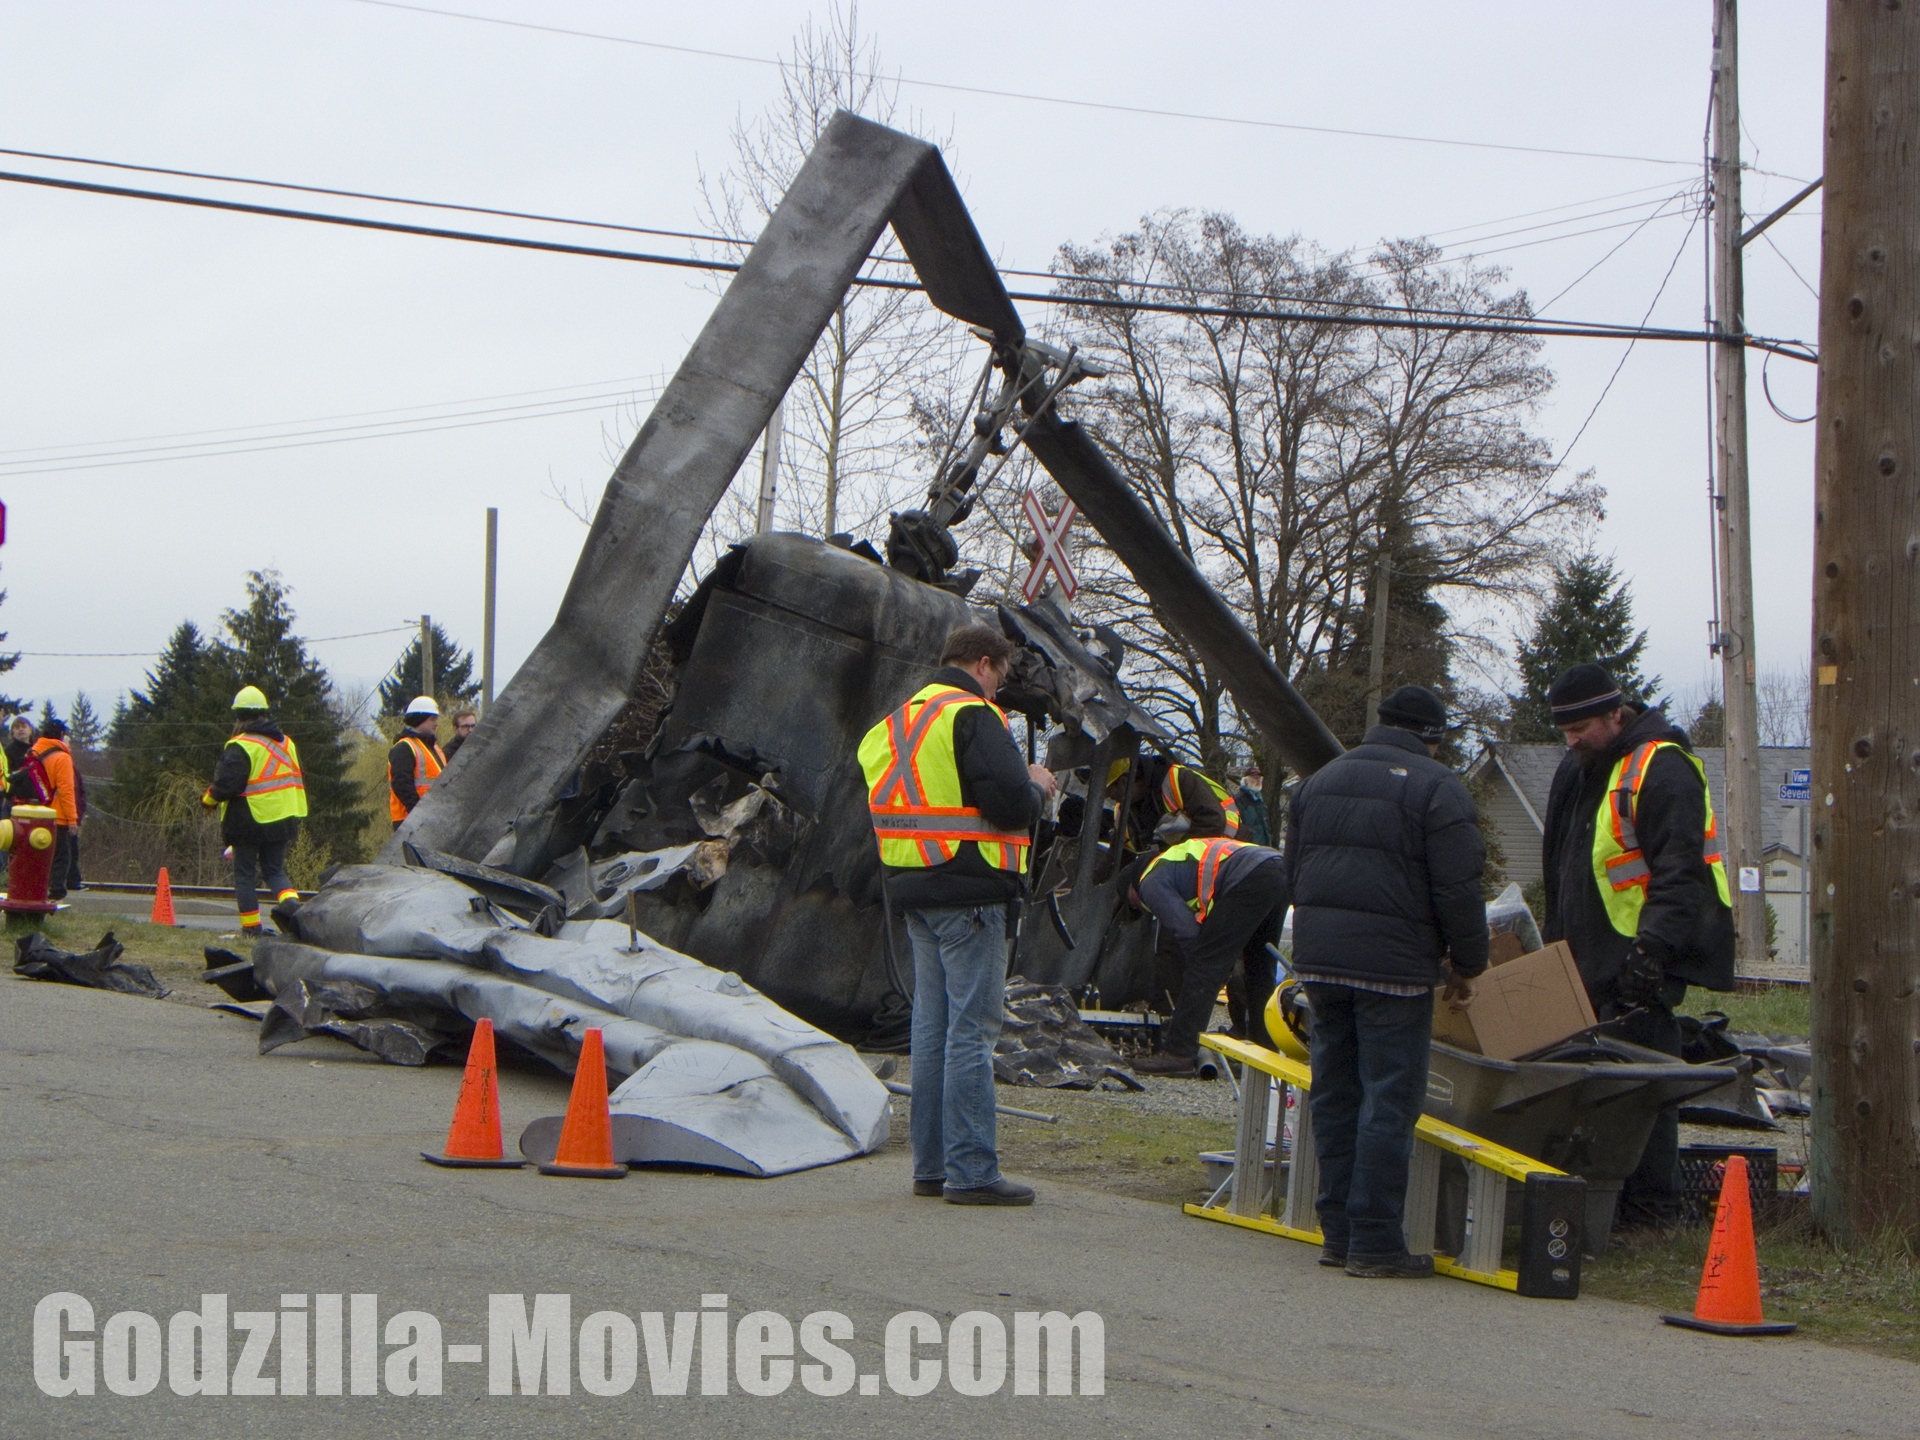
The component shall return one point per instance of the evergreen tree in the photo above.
(1709, 727)
(1588, 620)
(47, 713)
(453, 681)
(170, 735)
(84, 730)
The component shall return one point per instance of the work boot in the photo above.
(1390, 1267)
(929, 1187)
(1167, 1063)
(1001, 1192)
(1333, 1253)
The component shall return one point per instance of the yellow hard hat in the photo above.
(250, 698)
(1117, 769)
(1281, 1017)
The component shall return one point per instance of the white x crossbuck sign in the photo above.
(1050, 552)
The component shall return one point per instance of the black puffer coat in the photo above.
(1683, 925)
(1385, 857)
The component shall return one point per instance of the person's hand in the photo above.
(1456, 989)
(207, 799)
(1043, 777)
(1133, 897)
(1639, 984)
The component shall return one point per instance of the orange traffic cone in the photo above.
(163, 899)
(1729, 1301)
(586, 1139)
(473, 1140)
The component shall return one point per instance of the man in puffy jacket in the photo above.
(1635, 885)
(1385, 857)
(262, 797)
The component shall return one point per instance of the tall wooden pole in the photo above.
(1382, 598)
(1743, 844)
(1866, 632)
(487, 608)
(769, 471)
(426, 655)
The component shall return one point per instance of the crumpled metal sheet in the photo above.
(1044, 1042)
(598, 890)
(101, 968)
(457, 963)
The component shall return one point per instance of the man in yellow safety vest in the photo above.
(415, 761)
(1219, 900)
(953, 809)
(1635, 885)
(261, 796)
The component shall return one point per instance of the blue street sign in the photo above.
(1800, 778)
(1796, 794)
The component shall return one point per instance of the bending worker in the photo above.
(1219, 900)
(262, 797)
(1636, 887)
(1161, 788)
(415, 761)
(953, 808)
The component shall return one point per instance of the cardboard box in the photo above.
(1519, 1007)
(1504, 946)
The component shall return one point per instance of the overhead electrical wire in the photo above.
(156, 654)
(1110, 106)
(1792, 348)
(737, 242)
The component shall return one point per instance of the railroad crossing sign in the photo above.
(1050, 548)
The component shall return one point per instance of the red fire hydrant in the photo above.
(29, 837)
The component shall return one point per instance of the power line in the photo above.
(156, 654)
(1795, 349)
(1109, 106)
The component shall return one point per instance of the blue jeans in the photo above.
(959, 996)
(1369, 1076)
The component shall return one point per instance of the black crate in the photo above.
(1700, 1171)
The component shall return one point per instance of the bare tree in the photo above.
(849, 423)
(1786, 708)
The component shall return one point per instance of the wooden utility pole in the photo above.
(769, 471)
(1382, 597)
(486, 609)
(426, 656)
(1866, 633)
(1743, 845)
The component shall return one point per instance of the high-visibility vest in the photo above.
(276, 790)
(428, 762)
(913, 787)
(1211, 852)
(1170, 794)
(1619, 867)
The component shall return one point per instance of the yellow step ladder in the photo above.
(1549, 1252)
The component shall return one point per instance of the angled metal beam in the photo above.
(535, 735)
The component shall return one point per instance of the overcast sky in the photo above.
(126, 320)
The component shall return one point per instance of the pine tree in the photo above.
(170, 735)
(1709, 727)
(47, 715)
(453, 680)
(84, 730)
(1588, 620)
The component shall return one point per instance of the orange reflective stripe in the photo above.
(904, 738)
(1216, 852)
(279, 773)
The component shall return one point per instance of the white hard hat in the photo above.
(422, 705)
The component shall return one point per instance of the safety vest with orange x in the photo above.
(913, 787)
(1619, 865)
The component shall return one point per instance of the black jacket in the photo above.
(993, 778)
(1683, 925)
(1384, 857)
(400, 766)
(238, 827)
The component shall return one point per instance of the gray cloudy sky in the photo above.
(126, 321)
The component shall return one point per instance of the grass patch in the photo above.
(1782, 1010)
(174, 955)
(1103, 1143)
(1868, 1296)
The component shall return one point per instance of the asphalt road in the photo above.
(152, 1157)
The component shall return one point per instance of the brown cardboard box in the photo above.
(1519, 1007)
(1504, 946)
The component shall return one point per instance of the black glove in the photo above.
(1639, 984)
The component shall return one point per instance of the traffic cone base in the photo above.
(473, 1140)
(1729, 1300)
(585, 1151)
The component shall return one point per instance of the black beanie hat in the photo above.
(1581, 692)
(1416, 708)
